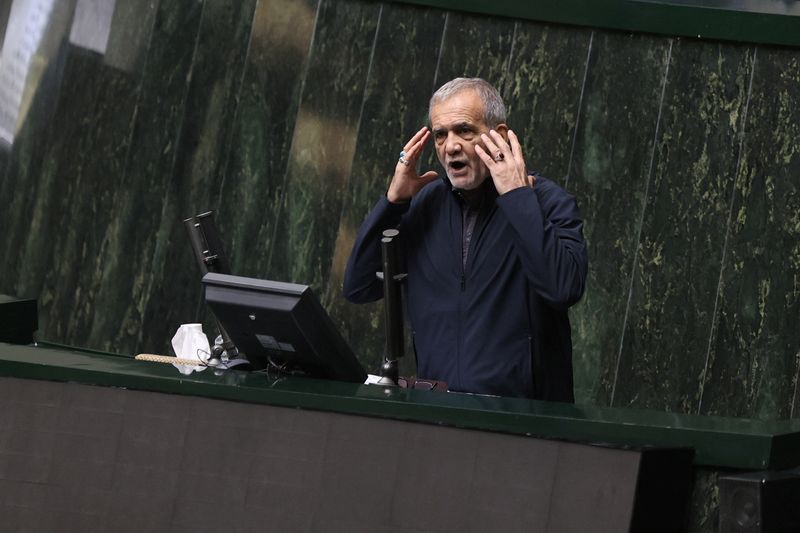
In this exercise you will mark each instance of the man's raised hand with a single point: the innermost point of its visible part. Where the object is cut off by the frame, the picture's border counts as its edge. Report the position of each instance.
(406, 182)
(504, 161)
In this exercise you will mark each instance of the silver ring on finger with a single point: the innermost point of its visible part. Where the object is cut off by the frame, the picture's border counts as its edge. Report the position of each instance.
(499, 157)
(403, 159)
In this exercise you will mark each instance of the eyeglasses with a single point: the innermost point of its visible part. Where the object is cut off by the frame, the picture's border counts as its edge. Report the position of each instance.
(418, 384)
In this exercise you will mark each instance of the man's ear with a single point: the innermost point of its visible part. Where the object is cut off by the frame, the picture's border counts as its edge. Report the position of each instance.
(502, 129)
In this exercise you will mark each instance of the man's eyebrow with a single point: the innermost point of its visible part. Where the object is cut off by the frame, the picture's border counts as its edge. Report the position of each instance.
(464, 125)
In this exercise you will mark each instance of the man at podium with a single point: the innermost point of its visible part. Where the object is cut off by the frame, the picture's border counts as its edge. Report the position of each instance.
(495, 254)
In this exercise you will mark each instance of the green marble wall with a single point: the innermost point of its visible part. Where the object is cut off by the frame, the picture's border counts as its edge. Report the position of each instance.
(286, 116)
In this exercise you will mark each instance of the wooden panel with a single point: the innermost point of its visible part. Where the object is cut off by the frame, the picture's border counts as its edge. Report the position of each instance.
(101, 456)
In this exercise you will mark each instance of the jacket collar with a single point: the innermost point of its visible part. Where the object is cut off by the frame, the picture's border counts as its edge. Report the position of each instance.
(487, 187)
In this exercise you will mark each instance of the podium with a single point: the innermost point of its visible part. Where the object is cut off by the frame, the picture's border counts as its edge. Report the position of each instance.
(101, 441)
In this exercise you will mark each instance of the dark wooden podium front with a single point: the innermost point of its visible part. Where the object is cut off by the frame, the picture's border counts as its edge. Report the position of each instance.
(100, 442)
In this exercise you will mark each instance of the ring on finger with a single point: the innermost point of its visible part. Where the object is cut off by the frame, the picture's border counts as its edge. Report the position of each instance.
(500, 156)
(403, 159)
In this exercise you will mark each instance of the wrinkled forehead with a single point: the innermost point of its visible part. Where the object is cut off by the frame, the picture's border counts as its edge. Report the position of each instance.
(462, 107)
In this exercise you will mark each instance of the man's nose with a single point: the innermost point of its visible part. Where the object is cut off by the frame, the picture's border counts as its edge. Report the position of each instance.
(453, 144)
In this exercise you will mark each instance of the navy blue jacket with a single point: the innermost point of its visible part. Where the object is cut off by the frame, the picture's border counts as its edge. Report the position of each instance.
(499, 325)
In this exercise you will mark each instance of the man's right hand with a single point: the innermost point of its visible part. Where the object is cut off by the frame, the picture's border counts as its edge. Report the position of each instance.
(406, 182)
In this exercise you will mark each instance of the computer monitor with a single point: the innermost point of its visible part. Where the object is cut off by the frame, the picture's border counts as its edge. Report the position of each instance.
(279, 323)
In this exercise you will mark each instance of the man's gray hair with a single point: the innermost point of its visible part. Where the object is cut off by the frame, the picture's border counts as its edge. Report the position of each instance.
(494, 110)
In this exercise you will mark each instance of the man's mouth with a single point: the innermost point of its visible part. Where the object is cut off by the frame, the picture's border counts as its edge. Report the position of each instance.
(457, 165)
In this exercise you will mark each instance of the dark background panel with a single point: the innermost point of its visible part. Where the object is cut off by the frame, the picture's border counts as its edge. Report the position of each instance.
(139, 249)
(324, 141)
(58, 169)
(201, 152)
(611, 168)
(211, 104)
(753, 365)
(749, 21)
(89, 168)
(252, 187)
(543, 89)
(5, 152)
(679, 253)
(475, 46)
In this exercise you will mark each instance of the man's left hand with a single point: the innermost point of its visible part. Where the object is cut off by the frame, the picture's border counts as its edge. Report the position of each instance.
(504, 161)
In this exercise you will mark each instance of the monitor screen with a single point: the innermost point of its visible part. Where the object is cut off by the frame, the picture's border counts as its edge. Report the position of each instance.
(282, 324)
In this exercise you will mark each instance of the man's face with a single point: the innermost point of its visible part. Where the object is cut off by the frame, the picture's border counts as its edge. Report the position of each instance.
(457, 124)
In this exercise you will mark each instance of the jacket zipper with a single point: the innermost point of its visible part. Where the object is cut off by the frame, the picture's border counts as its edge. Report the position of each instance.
(462, 261)
(481, 223)
(459, 323)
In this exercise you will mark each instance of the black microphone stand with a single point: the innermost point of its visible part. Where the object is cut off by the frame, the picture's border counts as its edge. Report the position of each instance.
(210, 254)
(393, 307)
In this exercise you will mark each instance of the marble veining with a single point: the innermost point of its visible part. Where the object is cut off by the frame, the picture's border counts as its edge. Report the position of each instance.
(611, 171)
(680, 247)
(323, 142)
(138, 247)
(753, 362)
(252, 187)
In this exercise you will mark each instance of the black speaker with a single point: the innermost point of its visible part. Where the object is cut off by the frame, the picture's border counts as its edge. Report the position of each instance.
(18, 320)
(663, 488)
(760, 502)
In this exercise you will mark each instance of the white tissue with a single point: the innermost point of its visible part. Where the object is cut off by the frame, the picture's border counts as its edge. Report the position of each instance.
(190, 342)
